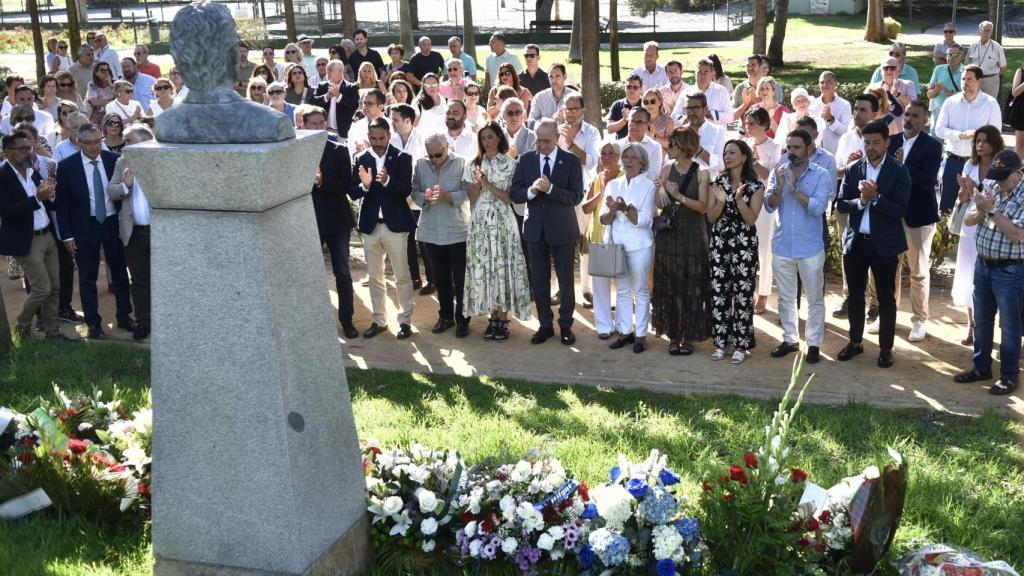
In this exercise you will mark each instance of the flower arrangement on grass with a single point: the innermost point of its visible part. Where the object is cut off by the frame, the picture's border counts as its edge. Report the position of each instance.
(636, 523)
(524, 517)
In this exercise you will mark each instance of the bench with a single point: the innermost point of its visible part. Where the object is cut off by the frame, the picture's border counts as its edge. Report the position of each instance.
(550, 25)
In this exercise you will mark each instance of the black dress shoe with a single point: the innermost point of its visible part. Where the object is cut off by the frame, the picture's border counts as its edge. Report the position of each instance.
(622, 341)
(374, 329)
(96, 333)
(639, 346)
(462, 329)
(428, 289)
(541, 335)
(568, 338)
(849, 351)
(841, 311)
(1004, 386)
(126, 324)
(813, 355)
(140, 333)
(70, 316)
(885, 359)
(972, 375)
(350, 331)
(442, 325)
(404, 331)
(785, 349)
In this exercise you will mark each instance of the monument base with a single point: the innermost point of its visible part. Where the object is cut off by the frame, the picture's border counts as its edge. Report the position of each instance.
(349, 555)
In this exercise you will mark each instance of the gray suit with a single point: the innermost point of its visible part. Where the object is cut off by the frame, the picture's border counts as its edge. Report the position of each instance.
(136, 240)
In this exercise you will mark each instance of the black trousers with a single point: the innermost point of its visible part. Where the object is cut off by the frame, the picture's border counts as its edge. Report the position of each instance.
(338, 246)
(862, 258)
(413, 255)
(526, 252)
(136, 254)
(102, 235)
(541, 255)
(66, 263)
(449, 263)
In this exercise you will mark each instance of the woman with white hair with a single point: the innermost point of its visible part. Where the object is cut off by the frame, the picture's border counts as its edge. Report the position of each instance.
(802, 102)
(627, 213)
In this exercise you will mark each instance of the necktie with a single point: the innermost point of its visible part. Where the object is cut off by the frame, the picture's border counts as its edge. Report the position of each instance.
(99, 195)
(547, 167)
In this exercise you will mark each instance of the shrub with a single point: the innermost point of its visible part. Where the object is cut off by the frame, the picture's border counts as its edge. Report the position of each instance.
(892, 27)
(610, 92)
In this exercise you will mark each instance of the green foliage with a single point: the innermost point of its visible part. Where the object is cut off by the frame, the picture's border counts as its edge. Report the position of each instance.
(892, 28)
(610, 92)
(943, 244)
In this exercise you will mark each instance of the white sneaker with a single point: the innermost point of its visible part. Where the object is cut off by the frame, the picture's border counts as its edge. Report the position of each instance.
(873, 327)
(917, 332)
(738, 357)
(718, 355)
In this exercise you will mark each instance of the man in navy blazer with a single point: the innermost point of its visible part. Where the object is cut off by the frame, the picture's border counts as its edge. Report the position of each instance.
(334, 219)
(550, 181)
(88, 221)
(382, 177)
(338, 97)
(921, 154)
(27, 233)
(875, 192)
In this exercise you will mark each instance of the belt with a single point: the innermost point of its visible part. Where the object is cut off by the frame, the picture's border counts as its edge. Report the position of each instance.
(140, 225)
(951, 155)
(990, 75)
(864, 236)
(1001, 263)
(41, 232)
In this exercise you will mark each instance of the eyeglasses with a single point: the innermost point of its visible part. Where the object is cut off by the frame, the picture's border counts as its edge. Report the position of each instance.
(258, 89)
(632, 87)
(60, 47)
(291, 51)
(888, 67)
(370, 103)
(161, 88)
(896, 53)
(505, 73)
(453, 69)
(115, 125)
(474, 93)
(66, 84)
(436, 156)
(650, 101)
(949, 31)
(274, 92)
(529, 55)
(321, 64)
(513, 112)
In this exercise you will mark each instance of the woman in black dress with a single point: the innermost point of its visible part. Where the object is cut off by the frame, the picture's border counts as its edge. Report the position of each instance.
(1017, 109)
(682, 282)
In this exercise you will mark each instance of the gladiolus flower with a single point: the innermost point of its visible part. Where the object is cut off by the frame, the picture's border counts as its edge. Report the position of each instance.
(812, 525)
(77, 446)
(750, 459)
(798, 475)
(737, 474)
(584, 491)
(825, 516)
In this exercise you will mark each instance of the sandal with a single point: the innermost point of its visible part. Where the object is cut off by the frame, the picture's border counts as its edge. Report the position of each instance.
(738, 357)
(501, 331)
(972, 375)
(489, 332)
(685, 349)
(719, 354)
(673, 348)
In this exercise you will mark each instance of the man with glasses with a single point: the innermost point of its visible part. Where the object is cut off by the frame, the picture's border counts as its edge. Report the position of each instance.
(142, 82)
(147, 67)
(833, 109)
(81, 70)
(904, 71)
(639, 119)
(521, 140)
(945, 81)
(712, 136)
(27, 233)
(106, 53)
(454, 86)
(548, 102)
(533, 78)
(582, 139)
(900, 92)
(86, 215)
(652, 74)
(373, 108)
(616, 122)
(321, 71)
(939, 53)
(989, 55)
(245, 68)
(468, 64)
(424, 62)
(363, 53)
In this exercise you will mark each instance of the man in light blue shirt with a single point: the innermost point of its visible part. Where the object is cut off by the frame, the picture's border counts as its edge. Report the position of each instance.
(800, 191)
(907, 72)
(468, 64)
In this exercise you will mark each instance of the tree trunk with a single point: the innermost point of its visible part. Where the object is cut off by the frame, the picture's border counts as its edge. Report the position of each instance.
(875, 29)
(575, 41)
(590, 48)
(405, 26)
(289, 19)
(993, 10)
(37, 38)
(544, 13)
(778, 33)
(469, 36)
(74, 29)
(613, 37)
(760, 26)
(349, 23)
(414, 12)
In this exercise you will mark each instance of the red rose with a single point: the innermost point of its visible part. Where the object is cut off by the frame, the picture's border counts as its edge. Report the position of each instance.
(708, 487)
(551, 516)
(796, 526)
(825, 516)
(812, 525)
(487, 526)
(798, 475)
(466, 517)
(737, 474)
(584, 492)
(144, 491)
(726, 495)
(26, 457)
(750, 459)
(77, 446)
(803, 542)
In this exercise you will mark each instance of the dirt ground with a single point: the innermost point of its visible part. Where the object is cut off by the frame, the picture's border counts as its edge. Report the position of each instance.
(921, 377)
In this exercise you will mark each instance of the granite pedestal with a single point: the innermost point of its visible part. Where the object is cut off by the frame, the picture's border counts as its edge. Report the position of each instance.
(256, 463)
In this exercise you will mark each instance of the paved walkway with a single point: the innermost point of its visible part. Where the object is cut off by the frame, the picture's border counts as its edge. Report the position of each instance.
(922, 376)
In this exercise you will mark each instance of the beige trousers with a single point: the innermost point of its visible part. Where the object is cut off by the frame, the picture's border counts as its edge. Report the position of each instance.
(42, 271)
(918, 256)
(376, 245)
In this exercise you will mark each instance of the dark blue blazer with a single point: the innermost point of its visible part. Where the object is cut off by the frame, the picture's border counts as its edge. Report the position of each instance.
(343, 110)
(330, 198)
(16, 208)
(551, 217)
(72, 196)
(923, 166)
(887, 210)
(390, 199)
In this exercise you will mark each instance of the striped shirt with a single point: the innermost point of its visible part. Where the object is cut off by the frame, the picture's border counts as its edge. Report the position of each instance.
(991, 242)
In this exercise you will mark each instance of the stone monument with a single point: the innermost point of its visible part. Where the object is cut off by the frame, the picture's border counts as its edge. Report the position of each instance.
(256, 464)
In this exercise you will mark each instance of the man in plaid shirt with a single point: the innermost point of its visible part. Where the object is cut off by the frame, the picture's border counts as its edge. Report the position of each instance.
(998, 274)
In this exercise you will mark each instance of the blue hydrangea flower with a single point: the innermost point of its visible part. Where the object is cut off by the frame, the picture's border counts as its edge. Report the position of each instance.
(689, 529)
(659, 507)
(614, 554)
(668, 477)
(614, 474)
(589, 511)
(666, 567)
(637, 487)
(586, 556)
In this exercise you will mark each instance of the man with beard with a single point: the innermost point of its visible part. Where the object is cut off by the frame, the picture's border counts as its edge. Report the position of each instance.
(461, 140)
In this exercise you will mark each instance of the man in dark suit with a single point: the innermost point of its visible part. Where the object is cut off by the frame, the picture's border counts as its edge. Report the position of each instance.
(27, 233)
(875, 192)
(88, 221)
(334, 214)
(338, 97)
(382, 177)
(921, 154)
(550, 181)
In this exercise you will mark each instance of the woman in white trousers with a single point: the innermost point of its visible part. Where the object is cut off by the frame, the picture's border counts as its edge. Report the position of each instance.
(601, 287)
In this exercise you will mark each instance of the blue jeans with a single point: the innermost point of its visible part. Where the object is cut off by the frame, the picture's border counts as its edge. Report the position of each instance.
(997, 290)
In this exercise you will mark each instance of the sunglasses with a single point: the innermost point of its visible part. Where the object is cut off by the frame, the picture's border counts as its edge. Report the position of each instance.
(66, 84)
(888, 67)
(115, 125)
(505, 73)
(513, 112)
(949, 31)
(895, 53)
(472, 93)
(453, 69)
(436, 156)
(291, 51)
(694, 107)
(62, 47)
(649, 101)
(953, 55)
(528, 55)
(321, 65)
(274, 92)
(161, 88)
(128, 91)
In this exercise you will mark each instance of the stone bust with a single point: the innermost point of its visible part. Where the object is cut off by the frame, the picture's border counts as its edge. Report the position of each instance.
(204, 46)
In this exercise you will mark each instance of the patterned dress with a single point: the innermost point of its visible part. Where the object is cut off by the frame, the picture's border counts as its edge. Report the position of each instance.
(733, 271)
(495, 267)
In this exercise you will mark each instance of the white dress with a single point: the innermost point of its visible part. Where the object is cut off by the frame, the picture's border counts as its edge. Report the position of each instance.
(768, 152)
(125, 111)
(966, 252)
(432, 121)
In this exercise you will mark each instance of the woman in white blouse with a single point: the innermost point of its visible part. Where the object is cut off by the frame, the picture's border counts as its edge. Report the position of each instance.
(627, 214)
(767, 153)
(164, 91)
(129, 110)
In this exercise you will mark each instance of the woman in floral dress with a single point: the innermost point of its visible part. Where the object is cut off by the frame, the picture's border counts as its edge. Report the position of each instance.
(736, 200)
(496, 281)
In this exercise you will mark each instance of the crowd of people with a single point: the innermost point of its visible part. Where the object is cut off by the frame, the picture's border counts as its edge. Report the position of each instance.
(492, 177)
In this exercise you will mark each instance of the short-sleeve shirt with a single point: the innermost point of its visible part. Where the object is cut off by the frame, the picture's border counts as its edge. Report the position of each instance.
(535, 84)
(991, 242)
(619, 110)
(420, 65)
(989, 56)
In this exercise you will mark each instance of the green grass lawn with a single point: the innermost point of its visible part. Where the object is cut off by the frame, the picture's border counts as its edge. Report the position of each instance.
(966, 474)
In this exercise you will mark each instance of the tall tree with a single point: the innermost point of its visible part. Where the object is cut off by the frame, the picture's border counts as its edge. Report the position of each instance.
(613, 37)
(544, 9)
(469, 37)
(37, 38)
(874, 30)
(349, 24)
(74, 29)
(575, 42)
(760, 26)
(591, 52)
(414, 12)
(405, 25)
(289, 19)
(778, 32)
(993, 10)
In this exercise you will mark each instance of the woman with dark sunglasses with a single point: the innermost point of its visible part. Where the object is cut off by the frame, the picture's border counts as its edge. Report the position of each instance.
(299, 90)
(113, 133)
(507, 76)
(164, 91)
(101, 91)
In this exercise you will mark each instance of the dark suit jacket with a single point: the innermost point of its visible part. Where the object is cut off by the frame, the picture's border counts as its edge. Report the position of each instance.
(887, 209)
(72, 196)
(390, 199)
(330, 198)
(923, 165)
(343, 110)
(551, 217)
(16, 208)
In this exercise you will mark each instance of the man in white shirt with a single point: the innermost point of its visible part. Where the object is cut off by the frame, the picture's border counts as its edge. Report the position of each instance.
(650, 72)
(712, 136)
(499, 56)
(407, 138)
(638, 121)
(143, 83)
(26, 97)
(833, 109)
(674, 89)
(461, 139)
(106, 53)
(961, 114)
(373, 108)
(719, 107)
(520, 141)
(548, 102)
(581, 139)
(989, 55)
(11, 83)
